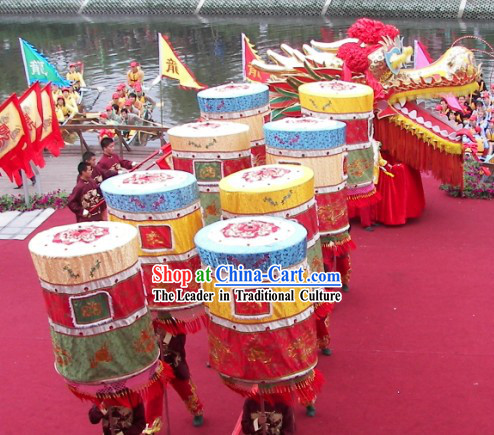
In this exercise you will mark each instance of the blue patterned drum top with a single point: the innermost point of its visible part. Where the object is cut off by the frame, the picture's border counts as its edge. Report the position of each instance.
(256, 242)
(150, 191)
(305, 134)
(233, 97)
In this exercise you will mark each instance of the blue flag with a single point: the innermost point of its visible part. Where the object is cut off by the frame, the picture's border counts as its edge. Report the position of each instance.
(37, 67)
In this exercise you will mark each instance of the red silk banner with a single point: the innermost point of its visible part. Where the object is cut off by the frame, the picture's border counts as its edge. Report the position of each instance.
(125, 301)
(51, 137)
(33, 112)
(15, 141)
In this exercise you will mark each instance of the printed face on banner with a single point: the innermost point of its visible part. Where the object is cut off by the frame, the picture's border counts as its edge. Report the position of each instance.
(10, 129)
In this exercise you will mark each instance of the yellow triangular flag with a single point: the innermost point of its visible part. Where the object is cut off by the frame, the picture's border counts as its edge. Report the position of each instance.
(173, 68)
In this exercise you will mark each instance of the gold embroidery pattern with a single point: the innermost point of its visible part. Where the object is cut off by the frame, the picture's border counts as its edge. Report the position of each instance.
(302, 348)
(332, 213)
(257, 354)
(218, 351)
(207, 172)
(193, 404)
(155, 239)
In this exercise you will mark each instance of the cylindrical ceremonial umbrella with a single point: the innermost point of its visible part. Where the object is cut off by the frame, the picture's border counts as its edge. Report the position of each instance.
(163, 206)
(245, 103)
(270, 344)
(101, 329)
(210, 151)
(353, 104)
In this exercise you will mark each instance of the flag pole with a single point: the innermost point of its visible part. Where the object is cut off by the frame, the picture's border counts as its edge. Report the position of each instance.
(161, 78)
(161, 101)
(243, 56)
(27, 198)
(24, 60)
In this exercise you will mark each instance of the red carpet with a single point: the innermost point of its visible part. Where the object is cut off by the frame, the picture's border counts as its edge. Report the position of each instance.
(413, 341)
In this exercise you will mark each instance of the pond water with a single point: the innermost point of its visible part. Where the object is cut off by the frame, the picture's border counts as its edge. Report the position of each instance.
(210, 47)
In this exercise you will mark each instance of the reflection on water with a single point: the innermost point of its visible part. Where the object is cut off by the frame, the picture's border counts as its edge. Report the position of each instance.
(211, 48)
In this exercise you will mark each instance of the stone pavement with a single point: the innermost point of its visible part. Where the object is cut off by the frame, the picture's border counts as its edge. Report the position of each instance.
(61, 172)
(16, 225)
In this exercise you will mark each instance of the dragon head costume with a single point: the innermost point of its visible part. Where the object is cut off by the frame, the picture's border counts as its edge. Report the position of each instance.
(374, 54)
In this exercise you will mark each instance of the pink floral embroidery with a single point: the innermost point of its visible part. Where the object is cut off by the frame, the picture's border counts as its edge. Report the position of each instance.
(337, 86)
(137, 202)
(85, 235)
(201, 125)
(265, 174)
(249, 230)
(305, 120)
(158, 202)
(147, 178)
(232, 87)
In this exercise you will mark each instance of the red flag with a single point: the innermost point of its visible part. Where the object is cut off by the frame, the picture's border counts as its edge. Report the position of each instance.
(248, 55)
(31, 106)
(14, 138)
(165, 161)
(51, 137)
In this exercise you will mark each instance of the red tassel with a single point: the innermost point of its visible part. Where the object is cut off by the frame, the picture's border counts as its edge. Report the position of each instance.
(337, 249)
(362, 200)
(163, 375)
(305, 390)
(411, 150)
(176, 327)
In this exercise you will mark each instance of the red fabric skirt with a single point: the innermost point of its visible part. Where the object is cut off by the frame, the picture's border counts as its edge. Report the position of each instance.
(402, 196)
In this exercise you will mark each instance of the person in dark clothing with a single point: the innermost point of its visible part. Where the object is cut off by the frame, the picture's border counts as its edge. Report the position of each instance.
(173, 348)
(278, 417)
(127, 415)
(98, 174)
(111, 161)
(85, 196)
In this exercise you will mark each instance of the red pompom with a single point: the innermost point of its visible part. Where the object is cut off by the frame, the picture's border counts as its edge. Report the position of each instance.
(354, 56)
(371, 31)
